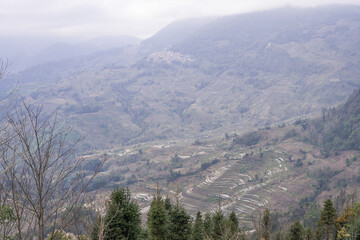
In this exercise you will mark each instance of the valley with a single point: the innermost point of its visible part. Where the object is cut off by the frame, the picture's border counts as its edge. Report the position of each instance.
(276, 173)
(230, 74)
(239, 113)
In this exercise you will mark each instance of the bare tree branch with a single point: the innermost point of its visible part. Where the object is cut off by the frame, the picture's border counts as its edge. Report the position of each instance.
(47, 180)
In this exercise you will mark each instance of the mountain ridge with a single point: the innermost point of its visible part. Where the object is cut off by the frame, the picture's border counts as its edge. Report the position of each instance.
(234, 80)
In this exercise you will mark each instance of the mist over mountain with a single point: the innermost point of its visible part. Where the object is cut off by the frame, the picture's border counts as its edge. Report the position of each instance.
(202, 77)
(236, 114)
(173, 33)
(24, 52)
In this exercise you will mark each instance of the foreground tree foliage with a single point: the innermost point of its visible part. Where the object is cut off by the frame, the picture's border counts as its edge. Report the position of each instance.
(327, 220)
(175, 223)
(122, 220)
(296, 231)
(266, 225)
(41, 178)
(180, 223)
(158, 219)
(198, 227)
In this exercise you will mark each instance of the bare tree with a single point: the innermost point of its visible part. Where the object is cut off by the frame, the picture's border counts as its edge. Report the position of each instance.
(3, 67)
(45, 182)
(7, 218)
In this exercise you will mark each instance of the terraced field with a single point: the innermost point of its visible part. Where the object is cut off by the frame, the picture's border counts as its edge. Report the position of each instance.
(236, 188)
(246, 179)
(243, 180)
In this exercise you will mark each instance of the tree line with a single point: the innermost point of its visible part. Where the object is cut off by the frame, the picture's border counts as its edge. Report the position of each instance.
(337, 128)
(167, 220)
(42, 181)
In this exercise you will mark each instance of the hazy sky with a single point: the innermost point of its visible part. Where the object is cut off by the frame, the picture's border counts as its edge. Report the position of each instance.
(141, 18)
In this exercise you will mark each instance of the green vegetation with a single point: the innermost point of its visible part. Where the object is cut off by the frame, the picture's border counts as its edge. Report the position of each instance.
(122, 220)
(179, 224)
(327, 221)
(296, 231)
(268, 80)
(198, 231)
(158, 219)
(338, 128)
(173, 222)
(248, 139)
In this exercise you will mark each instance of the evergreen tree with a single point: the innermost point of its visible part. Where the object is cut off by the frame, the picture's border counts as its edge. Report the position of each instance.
(279, 236)
(157, 221)
(208, 225)
(219, 224)
(266, 225)
(167, 204)
(198, 228)
(312, 215)
(232, 229)
(143, 234)
(354, 228)
(296, 231)
(180, 223)
(234, 223)
(327, 219)
(122, 219)
(308, 235)
(318, 232)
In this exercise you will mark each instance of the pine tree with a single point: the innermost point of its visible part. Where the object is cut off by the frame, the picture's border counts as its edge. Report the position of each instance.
(198, 228)
(308, 235)
(279, 236)
(234, 223)
(208, 225)
(219, 224)
(318, 232)
(296, 231)
(167, 204)
(266, 225)
(157, 221)
(232, 228)
(122, 219)
(180, 224)
(327, 219)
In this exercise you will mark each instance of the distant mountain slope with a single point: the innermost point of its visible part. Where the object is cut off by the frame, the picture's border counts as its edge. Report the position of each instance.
(227, 75)
(62, 51)
(25, 52)
(174, 33)
(269, 168)
(264, 47)
(338, 128)
(226, 39)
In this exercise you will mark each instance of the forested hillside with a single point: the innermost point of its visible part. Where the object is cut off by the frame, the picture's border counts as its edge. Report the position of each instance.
(338, 128)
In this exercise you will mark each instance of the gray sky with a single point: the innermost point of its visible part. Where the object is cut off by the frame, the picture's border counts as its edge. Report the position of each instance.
(141, 18)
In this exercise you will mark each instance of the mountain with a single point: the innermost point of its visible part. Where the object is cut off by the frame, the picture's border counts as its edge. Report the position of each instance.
(109, 42)
(338, 128)
(62, 51)
(274, 168)
(228, 74)
(173, 33)
(23, 52)
(175, 114)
